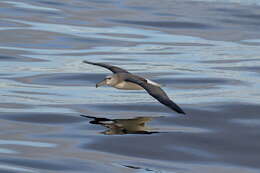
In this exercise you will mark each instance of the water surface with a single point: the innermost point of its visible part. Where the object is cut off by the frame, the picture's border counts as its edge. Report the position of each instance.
(205, 53)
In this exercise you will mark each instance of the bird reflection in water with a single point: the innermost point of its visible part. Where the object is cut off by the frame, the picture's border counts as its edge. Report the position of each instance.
(123, 126)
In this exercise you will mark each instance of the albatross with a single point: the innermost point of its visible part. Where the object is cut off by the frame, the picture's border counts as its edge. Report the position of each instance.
(122, 79)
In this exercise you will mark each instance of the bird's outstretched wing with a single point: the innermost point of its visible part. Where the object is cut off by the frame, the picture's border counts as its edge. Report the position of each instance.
(114, 69)
(156, 92)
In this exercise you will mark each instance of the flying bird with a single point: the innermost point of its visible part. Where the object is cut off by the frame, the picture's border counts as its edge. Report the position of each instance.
(122, 79)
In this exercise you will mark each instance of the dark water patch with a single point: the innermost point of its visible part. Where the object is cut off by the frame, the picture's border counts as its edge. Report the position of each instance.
(42, 118)
(82, 108)
(98, 42)
(8, 171)
(66, 135)
(140, 107)
(122, 53)
(34, 39)
(60, 165)
(221, 145)
(190, 44)
(228, 61)
(167, 14)
(240, 12)
(228, 10)
(19, 59)
(125, 35)
(37, 93)
(204, 82)
(37, 11)
(154, 146)
(14, 53)
(52, 3)
(213, 136)
(15, 106)
(61, 79)
(211, 116)
(152, 52)
(3, 74)
(241, 22)
(255, 69)
(241, 109)
(99, 53)
(167, 24)
(249, 16)
(140, 8)
(5, 23)
(250, 43)
(240, 17)
(54, 39)
(101, 1)
(119, 59)
(251, 123)
(19, 13)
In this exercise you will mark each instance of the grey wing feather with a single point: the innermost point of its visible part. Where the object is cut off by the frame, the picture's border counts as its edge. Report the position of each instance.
(114, 69)
(157, 93)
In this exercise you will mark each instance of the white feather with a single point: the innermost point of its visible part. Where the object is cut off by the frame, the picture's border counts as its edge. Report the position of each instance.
(128, 86)
(153, 83)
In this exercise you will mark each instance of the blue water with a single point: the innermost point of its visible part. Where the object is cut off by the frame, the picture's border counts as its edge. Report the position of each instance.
(204, 53)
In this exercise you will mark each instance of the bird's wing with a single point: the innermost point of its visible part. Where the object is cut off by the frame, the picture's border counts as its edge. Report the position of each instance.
(114, 69)
(156, 92)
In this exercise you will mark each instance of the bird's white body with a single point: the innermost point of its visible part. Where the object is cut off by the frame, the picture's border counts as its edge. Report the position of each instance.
(127, 86)
(131, 86)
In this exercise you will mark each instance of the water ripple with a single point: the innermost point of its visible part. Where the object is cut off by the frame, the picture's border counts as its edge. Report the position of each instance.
(27, 143)
(205, 54)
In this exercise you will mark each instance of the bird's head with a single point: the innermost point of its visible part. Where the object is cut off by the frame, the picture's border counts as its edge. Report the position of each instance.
(109, 80)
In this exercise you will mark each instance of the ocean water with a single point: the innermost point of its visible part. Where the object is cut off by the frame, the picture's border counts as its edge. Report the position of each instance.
(206, 54)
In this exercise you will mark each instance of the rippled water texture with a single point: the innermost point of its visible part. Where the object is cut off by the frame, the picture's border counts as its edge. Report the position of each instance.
(206, 54)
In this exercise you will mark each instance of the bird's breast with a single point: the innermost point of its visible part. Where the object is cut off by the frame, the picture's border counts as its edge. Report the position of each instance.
(128, 86)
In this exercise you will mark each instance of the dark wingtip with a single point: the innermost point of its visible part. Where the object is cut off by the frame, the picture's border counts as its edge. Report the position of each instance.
(87, 62)
(176, 108)
(179, 110)
(86, 116)
(182, 113)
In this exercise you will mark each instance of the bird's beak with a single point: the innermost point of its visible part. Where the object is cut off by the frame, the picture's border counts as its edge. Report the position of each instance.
(103, 82)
